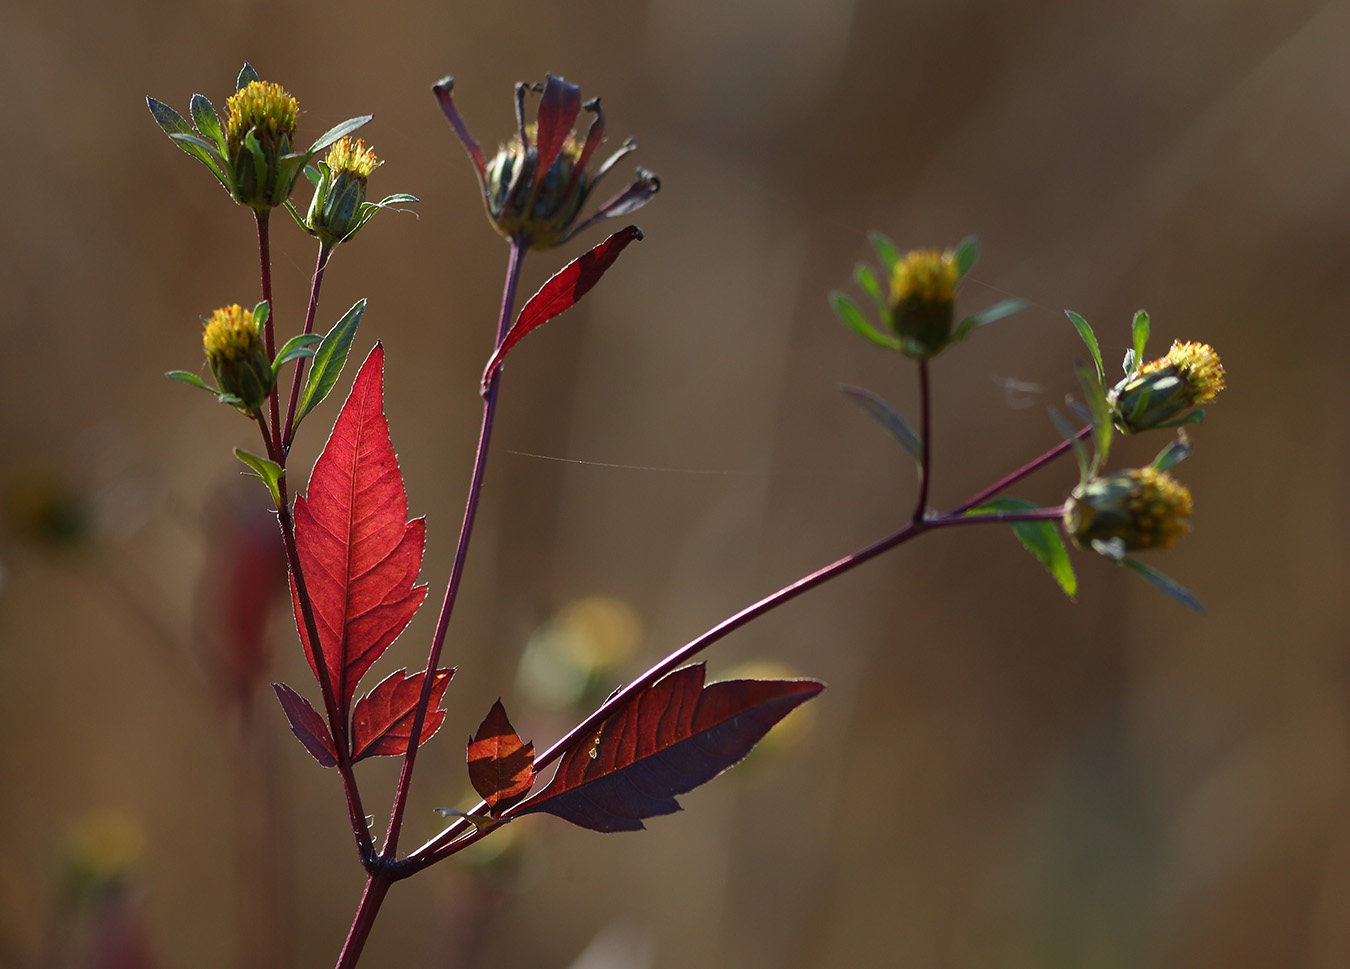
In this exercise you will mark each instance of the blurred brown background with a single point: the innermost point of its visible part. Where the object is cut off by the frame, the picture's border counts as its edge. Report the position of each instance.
(997, 777)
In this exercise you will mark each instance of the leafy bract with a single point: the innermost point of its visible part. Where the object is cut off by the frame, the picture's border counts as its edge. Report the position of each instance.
(382, 720)
(562, 291)
(359, 553)
(1090, 338)
(501, 765)
(855, 320)
(668, 739)
(1041, 538)
(268, 472)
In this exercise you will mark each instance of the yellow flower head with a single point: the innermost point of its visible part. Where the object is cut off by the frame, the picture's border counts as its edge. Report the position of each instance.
(231, 334)
(263, 107)
(237, 355)
(1144, 508)
(925, 275)
(1198, 366)
(352, 157)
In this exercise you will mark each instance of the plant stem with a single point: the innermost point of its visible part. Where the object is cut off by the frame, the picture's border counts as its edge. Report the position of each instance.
(337, 718)
(377, 886)
(518, 249)
(925, 441)
(321, 263)
(265, 271)
(1009, 480)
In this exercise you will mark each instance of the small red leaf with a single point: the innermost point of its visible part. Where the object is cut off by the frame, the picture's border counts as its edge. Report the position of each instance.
(359, 552)
(382, 719)
(558, 110)
(501, 766)
(307, 725)
(563, 291)
(667, 740)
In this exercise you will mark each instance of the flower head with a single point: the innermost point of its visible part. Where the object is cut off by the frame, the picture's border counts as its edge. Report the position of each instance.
(536, 184)
(263, 109)
(238, 358)
(339, 208)
(923, 300)
(1161, 392)
(1142, 508)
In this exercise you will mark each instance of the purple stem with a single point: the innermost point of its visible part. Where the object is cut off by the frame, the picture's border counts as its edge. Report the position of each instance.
(926, 439)
(377, 886)
(518, 249)
(319, 266)
(1009, 480)
(265, 270)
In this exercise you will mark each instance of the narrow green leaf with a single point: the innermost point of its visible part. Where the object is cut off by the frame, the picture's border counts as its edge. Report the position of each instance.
(853, 318)
(261, 312)
(1041, 538)
(967, 251)
(1095, 398)
(247, 75)
(994, 313)
(1160, 581)
(886, 415)
(886, 251)
(268, 472)
(336, 132)
(167, 118)
(398, 198)
(191, 379)
(1080, 454)
(204, 153)
(295, 348)
(329, 360)
(295, 214)
(207, 121)
(867, 280)
(313, 174)
(1172, 455)
(1140, 330)
(1090, 338)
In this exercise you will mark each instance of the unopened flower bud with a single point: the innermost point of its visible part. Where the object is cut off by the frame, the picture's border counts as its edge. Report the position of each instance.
(259, 131)
(1143, 508)
(335, 210)
(1162, 391)
(923, 301)
(544, 212)
(238, 357)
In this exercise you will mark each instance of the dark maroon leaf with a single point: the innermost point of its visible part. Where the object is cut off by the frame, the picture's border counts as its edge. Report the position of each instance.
(667, 740)
(501, 765)
(307, 725)
(558, 109)
(563, 291)
(382, 719)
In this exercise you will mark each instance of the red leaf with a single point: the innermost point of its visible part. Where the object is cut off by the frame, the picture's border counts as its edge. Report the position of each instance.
(307, 725)
(563, 291)
(501, 765)
(382, 719)
(667, 740)
(359, 552)
(558, 110)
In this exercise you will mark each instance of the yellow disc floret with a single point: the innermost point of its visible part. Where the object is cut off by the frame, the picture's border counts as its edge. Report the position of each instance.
(352, 157)
(260, 106)
(926, 275)
(1198, 366)
(230, 333)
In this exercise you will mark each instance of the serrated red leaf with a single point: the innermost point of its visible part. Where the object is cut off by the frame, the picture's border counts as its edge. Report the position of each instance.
(382, 719)
(501, 765)
(667, 740)
(563, 291)
(359, 552)
(307, 725)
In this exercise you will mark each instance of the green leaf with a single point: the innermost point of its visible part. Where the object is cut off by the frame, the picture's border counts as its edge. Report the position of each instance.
(247, 75)
(1095, 398)
(204, 153)
(867, 280)
(191, 379)
(313, 174)
(853, 318)
(167, 118)
(329, 360)
(886, 251)
(261, 312)
(888, 418)
(1194, 417)
(1080, 454)
(207, 121)
(268, 472)
(295, 348)
(1090, 338)
(334, 133)
(1140, 330)
(295, 214)
(967, 251)
(1041, 538)
(1163, 582)
(996, 312)
(1172, 455)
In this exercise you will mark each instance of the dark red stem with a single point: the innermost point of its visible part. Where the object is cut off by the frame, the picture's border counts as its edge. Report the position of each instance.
(518, 249)
(1009, 480)
(265, 271)
(925, 440)
(319, 266)
(377, 886)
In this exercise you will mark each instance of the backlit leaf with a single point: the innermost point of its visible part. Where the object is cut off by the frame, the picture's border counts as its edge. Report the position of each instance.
(886, 415)
(329, 360)
(563, 291)
(359, 552)
(382, 719)
(1090, 338)
(501, 765)
(855, 320)
(667, 740)
(1041, 538)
